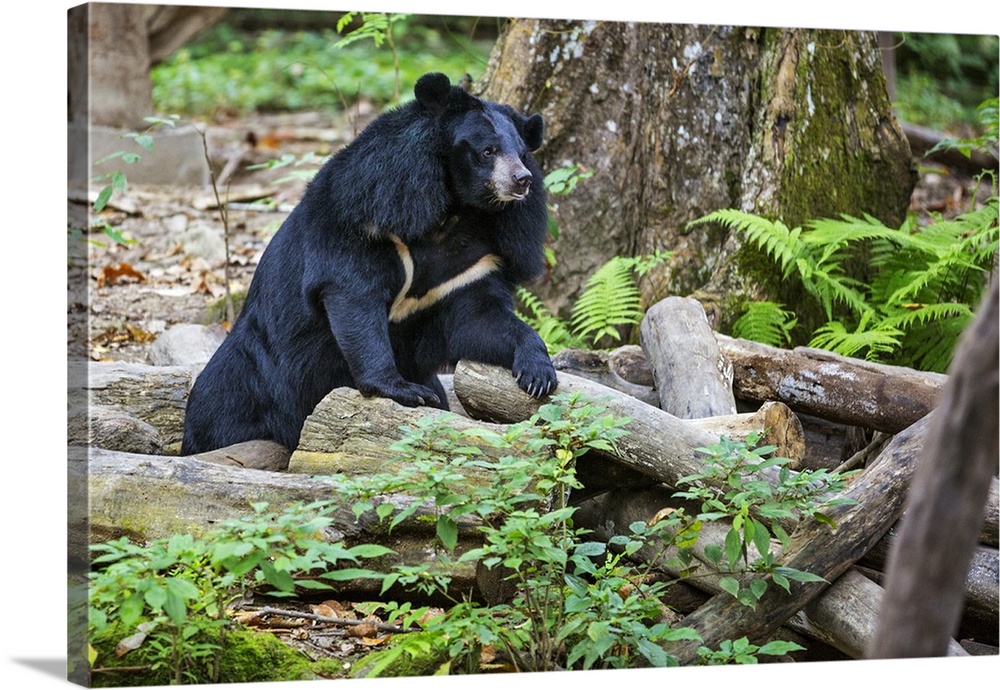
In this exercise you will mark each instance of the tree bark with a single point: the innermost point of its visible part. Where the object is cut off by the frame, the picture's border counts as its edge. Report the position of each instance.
(677, 121)
(945, 509)
(121, 93)
(171, 26)
(840, 389)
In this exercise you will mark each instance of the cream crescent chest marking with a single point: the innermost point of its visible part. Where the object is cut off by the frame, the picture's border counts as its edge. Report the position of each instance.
(405, 306)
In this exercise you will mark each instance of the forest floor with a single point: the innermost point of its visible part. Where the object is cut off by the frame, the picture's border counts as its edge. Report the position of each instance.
(172, 270)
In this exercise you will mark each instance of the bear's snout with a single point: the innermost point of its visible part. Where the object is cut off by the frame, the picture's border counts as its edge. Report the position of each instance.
(511, 181)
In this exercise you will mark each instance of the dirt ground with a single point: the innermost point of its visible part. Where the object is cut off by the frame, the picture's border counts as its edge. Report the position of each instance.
(173, 270)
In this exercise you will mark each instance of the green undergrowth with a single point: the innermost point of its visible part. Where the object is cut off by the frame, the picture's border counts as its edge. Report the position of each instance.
(239, 72)
(161, 612)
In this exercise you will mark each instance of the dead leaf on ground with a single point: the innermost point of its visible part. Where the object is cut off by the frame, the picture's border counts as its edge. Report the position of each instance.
(123, 272)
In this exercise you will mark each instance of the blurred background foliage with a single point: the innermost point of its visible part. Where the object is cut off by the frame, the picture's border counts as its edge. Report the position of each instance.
(269, 60)
(942, 78)
(282, 60)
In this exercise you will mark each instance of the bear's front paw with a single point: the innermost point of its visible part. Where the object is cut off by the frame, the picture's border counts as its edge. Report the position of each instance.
(535, 375)
(405, 393)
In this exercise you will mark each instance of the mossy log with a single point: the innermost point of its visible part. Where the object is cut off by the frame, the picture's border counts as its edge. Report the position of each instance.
(146, 497)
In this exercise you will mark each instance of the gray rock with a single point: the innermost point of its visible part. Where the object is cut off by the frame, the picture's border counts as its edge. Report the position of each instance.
(187, 344)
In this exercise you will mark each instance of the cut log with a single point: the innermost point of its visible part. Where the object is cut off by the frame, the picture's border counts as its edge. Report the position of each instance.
(146, 497)
(878, 494)
(350, 434)
(154, 395)
(945, 510)
(774, 423)
(841, 389)
(693, 378)
(598, 366)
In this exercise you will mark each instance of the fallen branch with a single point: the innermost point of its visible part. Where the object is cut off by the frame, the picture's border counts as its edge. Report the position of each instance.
(658, 444)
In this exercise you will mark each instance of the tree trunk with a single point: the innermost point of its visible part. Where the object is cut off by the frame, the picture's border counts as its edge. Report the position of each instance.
(944, 512)
(171, 26)
(677, 121)
(120, 90)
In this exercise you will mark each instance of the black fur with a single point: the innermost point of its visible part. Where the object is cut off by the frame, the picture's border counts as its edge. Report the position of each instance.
(316, 316)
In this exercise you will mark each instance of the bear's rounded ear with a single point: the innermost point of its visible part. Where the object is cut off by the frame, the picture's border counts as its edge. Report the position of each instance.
(534, 131)
(432, 90)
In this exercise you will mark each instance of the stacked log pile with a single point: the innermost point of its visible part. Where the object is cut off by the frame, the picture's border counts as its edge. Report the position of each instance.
(683, 388)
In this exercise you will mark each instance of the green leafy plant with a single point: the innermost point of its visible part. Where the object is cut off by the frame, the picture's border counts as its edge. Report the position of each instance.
(742, 651)
(733, 486)
(575, 604)
(165, 601)
(116, 181)
(376, 27)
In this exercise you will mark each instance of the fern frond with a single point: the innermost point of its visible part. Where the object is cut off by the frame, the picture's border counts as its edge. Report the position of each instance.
(912, 315)
(773, 237)
(610, 299)
(827, 237)
(831, 288)
(930, 346)
(873, 343)
(765, 322)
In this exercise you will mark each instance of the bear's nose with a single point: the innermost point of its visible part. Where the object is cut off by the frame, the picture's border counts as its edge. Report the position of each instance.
(522, 180)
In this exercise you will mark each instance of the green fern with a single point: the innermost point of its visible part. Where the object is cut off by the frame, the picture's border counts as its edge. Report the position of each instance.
(862, 342)
(926, 281)
(610, 299)
(609, 302)
(553, 330)
(765, 322)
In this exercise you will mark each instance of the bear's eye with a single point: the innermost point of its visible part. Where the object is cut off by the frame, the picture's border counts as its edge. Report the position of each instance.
(489, 151)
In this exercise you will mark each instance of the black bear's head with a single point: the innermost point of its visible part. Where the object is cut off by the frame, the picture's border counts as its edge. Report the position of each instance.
(488, 145)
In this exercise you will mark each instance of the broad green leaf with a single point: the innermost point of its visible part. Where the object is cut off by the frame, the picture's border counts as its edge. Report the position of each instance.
(730, 584)
(447, 532)
(102, 198)
(779, 648)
